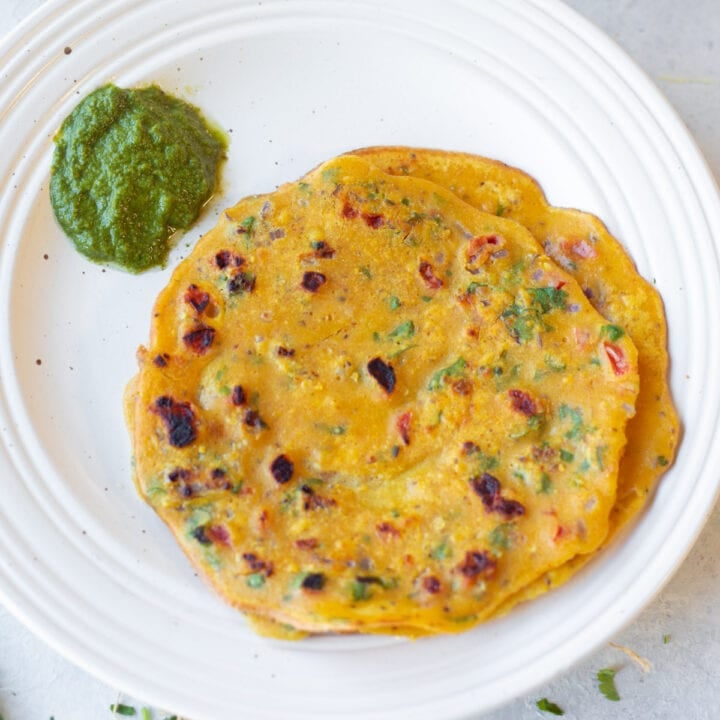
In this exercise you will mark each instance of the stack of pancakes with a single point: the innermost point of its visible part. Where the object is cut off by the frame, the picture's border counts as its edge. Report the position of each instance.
(400, 395)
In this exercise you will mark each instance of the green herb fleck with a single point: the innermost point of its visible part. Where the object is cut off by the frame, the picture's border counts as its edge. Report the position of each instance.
(500, 209)
(545, 484)
(145, 713)
(303, 186)
(249, 226)
(548, 298)
(405, 330)
(360, 591)
(600, 455)
(441, 552)
(662, 461)
(554, 364)
(613, 332)
(394, 302)
(473, 286)
(120, 709)
(330, 174)
(549, 707)
(454, 370)
(666, 639)
(501, 536)
(225, 390)
(566, 456)
(405, 201)
(606, 683)
(332, 429)
(365, 270)
(577, 429)
(256, 580)
(584, 466)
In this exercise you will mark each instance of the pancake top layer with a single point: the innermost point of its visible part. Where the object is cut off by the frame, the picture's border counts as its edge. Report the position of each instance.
(367, 405)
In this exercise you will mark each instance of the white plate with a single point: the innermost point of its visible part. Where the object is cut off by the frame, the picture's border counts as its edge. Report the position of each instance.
(91, 569)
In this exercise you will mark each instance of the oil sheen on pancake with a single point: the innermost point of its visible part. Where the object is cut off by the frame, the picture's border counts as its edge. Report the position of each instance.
(581, 244)
(367, 406)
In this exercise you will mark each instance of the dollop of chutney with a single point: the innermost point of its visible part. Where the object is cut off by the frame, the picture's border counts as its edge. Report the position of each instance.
(130, 167)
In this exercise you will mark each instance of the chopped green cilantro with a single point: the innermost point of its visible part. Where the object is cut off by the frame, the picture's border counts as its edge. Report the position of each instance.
(426, 298)
(501, 536)
(454, 370)
(405, 330)
(613, 332)
(120, 709)
(600, 451)
(365, 270)
(548, 298)
(145, 713)
(549, 707)
(666, 639)
(500, 209)
(606, 683)
(545, 484)
(332, 429)
(360, 591)
(405, 201)
(256, 580)
(577, 429)
(394, 302)
(330, 174)
(662, 461)
(441, 552)
(473, 286)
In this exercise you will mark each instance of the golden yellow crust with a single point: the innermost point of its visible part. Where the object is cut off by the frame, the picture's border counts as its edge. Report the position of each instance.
(367, 406)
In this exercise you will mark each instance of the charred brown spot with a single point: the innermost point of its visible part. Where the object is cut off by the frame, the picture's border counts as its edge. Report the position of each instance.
(312, 281)
(180, 474)
(323, 250)
(476, 564)
(201, 536)
(282, 469)
(317, 502)
(222, 259)
(179, 420)
(462, 387)
(469, 447)
(368, 579)
(543, 453)
(373, 221)
(522, 402)
(431, 584)
(349, 212)
(252, 419)
(314, 581)
(387, 529)
(403, 426)
(196, 297)
(161, 360)
(256, 564)
(217, 473)
(238, 395)
(307, 543)
(242, 282)
(199, 339)
(428, 275)
(488, 488)
(285, 352)
(383, 374)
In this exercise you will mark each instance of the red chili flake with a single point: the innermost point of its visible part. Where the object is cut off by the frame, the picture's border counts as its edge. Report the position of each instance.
(478, 244)
(522, 402)
(383, 373)
(285, 352)
(314, 582)
(238, 395)
(403, 426)
(161, 360)
(312, 281)
(349, 212)
(200, 339)
(560, 285)
(428, 275)
(242, 282)
(617, 358)
(386, 528)
(196, 297)
(218, 534)
(477, 563)
(179, 420)
(560, 532)
(282, 469)
(373, 221)
(431, 584)
(307, 543)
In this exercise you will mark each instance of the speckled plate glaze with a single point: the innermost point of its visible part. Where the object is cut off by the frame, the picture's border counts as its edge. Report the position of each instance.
(83, 561)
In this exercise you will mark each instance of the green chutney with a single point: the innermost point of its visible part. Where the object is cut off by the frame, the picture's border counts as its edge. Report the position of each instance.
(132, 166)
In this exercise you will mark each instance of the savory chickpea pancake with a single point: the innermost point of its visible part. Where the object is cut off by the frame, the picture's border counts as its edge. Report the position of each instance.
(367, 406)
(580, 243)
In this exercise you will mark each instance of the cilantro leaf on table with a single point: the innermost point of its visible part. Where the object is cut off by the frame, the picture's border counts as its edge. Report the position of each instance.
(606, 683)
(549, 707)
